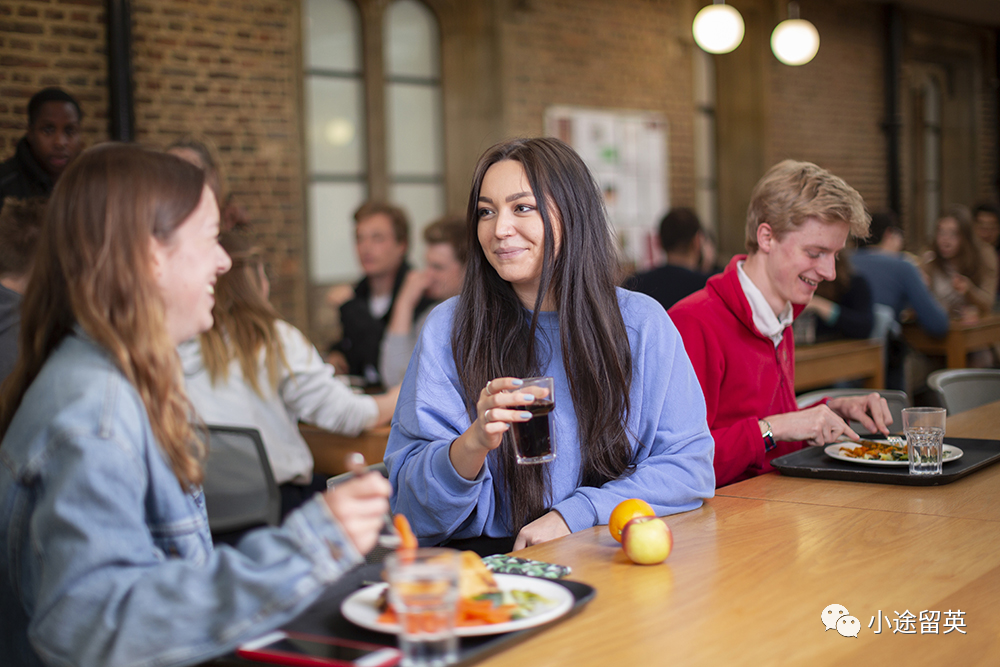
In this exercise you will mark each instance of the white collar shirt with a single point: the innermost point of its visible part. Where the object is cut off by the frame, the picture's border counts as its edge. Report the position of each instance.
(769, 324)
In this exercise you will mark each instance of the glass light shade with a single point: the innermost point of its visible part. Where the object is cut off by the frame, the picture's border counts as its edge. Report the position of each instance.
(795, 41)
(718, 28)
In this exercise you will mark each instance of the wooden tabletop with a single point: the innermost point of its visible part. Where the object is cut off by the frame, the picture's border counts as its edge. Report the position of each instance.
(822, 364)
(753, 569)
(962, 338)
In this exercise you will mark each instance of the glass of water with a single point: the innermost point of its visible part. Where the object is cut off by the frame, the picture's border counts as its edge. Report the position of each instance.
(924, 429)
(423, 589)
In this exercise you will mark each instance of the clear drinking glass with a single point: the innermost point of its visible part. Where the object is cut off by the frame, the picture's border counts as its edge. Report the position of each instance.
(534, 440)
(924, 429)
(423, 589)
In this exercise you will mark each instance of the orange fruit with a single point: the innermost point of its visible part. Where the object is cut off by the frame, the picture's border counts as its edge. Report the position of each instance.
(625, 512)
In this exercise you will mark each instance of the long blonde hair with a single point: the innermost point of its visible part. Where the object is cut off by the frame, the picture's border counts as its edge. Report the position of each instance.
(93, 268)
(244, 320)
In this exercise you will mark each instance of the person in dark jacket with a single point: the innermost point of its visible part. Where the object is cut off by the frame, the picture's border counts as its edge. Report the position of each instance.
(682, 239)
(52, 141)
(382, 236)
(843, 306)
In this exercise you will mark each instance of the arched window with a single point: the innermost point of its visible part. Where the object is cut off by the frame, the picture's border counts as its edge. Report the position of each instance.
(415, 137)
(336, 152)
(349, 156)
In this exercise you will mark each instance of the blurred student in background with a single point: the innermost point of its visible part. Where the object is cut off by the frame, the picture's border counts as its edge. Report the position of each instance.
(843, 306)
(382, 237)
(441, 278)
(203, 155)
(51, 143)
(987, 226)
(20, 225)
(683, 241)
(961, 270)
(254, 369)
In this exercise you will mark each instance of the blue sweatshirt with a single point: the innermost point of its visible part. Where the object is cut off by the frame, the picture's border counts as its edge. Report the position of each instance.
(897, 284)
(673, 463)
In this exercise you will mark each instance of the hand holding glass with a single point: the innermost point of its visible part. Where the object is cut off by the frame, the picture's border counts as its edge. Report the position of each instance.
(534, 440)
(924, 429)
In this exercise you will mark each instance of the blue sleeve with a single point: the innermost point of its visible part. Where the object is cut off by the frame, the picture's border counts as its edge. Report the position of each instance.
(430, 414)
(673, 456)
(930, 315)
(107, 594)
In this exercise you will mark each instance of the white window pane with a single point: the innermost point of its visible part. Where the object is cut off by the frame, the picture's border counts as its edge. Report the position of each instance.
(411, 40)
(414, 129)
(424, 203)
(331, 231)
(330, 30)
(335, 126)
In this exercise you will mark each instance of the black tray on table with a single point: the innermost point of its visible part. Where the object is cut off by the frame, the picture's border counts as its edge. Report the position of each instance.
(813, 462)
(324, 618)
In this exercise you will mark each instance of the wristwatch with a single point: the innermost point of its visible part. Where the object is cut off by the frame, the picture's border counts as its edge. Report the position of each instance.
(765, 427)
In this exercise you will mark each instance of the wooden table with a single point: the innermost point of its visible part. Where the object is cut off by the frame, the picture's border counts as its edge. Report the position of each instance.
(329, 449)
(961, 339)
(822, 364)
(753, 569)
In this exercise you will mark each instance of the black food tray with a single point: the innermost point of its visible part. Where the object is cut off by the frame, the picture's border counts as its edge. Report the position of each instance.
(324, 618)
(813, 462)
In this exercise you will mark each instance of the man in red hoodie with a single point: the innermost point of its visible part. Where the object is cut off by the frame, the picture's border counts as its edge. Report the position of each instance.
(737, 331)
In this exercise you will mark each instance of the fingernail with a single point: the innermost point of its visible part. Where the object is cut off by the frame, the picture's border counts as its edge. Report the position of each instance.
(526, 415)
(517, 383)
(527, 398)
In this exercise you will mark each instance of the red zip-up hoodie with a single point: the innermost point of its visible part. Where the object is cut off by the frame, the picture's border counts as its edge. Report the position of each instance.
(744, 377)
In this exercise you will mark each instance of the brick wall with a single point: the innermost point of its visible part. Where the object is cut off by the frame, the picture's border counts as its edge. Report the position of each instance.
(829, 111)
(228, 72)
(629, 54)
(46, 43)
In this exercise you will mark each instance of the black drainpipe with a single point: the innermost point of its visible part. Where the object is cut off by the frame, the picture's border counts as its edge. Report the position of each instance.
(121, 112)
(893, 123)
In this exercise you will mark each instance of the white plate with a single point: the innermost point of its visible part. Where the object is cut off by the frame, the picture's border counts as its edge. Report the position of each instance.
(360, 606)
(951, 453)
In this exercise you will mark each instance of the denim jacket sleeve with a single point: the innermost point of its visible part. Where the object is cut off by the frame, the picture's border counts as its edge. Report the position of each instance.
(103, 584)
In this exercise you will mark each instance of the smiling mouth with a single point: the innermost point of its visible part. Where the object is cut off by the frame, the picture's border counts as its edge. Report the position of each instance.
(811, 283)
(508, 253)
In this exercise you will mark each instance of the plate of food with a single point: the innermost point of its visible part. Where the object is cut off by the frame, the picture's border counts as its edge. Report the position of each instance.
(881, 453)
(489, 603)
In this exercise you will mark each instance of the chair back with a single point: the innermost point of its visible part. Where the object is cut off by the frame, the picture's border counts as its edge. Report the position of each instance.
(962, 389)
(896, 399)
(240, 491)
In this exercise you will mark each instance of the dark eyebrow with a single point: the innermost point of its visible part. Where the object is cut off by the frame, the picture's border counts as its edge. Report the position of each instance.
(485, 199)
(517, 196)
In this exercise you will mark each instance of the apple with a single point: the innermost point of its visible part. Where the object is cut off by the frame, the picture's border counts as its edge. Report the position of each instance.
(647, 540)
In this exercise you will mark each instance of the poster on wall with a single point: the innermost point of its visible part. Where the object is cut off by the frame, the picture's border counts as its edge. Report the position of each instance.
(627, 153)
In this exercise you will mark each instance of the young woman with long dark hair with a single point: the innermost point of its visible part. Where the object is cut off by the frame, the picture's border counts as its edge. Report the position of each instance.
(540, 298)
(105, 553)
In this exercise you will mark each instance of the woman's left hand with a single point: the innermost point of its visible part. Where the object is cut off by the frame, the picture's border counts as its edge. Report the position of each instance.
(545, 528)
(871, 410)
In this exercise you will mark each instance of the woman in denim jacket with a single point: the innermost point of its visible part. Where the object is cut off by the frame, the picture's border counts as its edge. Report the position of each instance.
(105, 553)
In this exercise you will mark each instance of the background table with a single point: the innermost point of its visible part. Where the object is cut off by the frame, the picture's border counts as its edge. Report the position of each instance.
(330, 449)
(961, 339)
(753, 569)
(822, 364)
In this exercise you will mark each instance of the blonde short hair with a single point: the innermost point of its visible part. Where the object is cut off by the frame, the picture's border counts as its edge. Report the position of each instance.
(791, 192)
